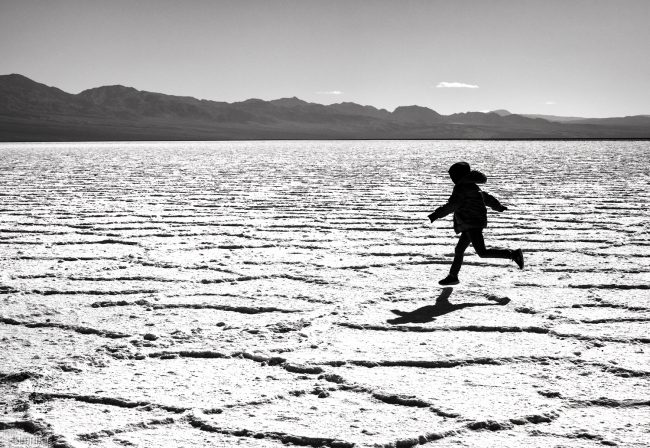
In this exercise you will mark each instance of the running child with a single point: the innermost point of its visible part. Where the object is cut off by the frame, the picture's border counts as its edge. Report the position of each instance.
(468, 202)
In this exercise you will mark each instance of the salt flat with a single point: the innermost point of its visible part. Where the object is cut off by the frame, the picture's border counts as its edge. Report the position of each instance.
(242, 293)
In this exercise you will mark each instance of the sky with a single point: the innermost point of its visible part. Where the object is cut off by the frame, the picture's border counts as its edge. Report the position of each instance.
(587, 58)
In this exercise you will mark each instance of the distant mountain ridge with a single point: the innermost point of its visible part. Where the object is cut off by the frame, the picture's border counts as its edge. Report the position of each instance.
(30, 111)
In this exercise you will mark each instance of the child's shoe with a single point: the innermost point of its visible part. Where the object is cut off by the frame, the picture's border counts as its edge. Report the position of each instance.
(449, 280)
(518, 257)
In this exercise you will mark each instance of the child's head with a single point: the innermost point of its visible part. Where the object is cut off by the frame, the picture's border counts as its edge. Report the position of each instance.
(459, 170)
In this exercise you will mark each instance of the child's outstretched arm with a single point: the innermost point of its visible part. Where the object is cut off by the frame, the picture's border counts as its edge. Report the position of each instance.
(442, 211)
(493, 202)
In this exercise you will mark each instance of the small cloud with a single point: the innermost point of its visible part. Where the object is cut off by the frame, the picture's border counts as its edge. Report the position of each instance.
(330, 92)
(550, 103)
(455, 85)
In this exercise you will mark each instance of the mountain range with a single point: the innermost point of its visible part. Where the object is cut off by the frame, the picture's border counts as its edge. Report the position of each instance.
(30, 111)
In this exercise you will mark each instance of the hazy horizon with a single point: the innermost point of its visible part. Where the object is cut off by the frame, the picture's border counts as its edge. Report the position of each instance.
(569, 58)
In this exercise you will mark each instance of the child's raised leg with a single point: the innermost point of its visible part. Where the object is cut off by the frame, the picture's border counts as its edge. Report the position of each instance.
(476, 237)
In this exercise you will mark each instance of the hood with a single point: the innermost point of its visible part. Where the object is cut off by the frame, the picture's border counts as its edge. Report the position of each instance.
(474, 177)
(458, 170)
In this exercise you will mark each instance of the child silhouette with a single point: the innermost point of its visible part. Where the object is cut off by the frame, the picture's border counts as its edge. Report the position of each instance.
(468, 202)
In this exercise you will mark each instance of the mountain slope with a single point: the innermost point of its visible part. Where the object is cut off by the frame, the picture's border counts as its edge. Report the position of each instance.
(30, 111)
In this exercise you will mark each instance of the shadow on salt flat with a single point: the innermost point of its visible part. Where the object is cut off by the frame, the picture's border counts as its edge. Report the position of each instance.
(442, 306)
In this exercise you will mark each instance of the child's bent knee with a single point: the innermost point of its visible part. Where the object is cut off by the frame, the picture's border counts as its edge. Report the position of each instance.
(481, 252)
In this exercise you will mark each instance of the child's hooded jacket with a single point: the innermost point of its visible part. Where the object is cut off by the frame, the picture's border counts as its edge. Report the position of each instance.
(467, 201)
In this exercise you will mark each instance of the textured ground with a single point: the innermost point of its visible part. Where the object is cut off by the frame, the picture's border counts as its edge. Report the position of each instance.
(188, 295)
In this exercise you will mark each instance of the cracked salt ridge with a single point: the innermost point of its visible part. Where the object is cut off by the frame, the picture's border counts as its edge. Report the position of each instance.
(510, 329)
(394, 254)
(476, 391)
(34, 276)
(520, 349)
(608, 313)
(598, 336)
(297, 296)
(298, 278)
(195, 419)
(610, 286)
(474, 328)
(38, 232)
(110, 401)
(26, 348)
(240, 246)
(603, 270)
(615, 320)
(124, 278)
(130, 427)
(257, 357)
(185, 435)
(157, 306)
(558, 295)
(587, 286)
(65, 258)
(444, 261)
(607, 426)
(63, 414)
(41, 430)
(8, 289)
(186, 382)
(610, 403)
(107, 241)
(21, 243)
(105, 228)
(608, 305)
(417, 428)
(167, 265)
(446, 363)
(51, 292)
(551, 239)
(297, 424)
(389, 398)
(520, 436)
(18, 377)
(62, 326)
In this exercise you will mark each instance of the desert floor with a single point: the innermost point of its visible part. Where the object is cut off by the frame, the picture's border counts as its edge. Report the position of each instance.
(243, 294)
